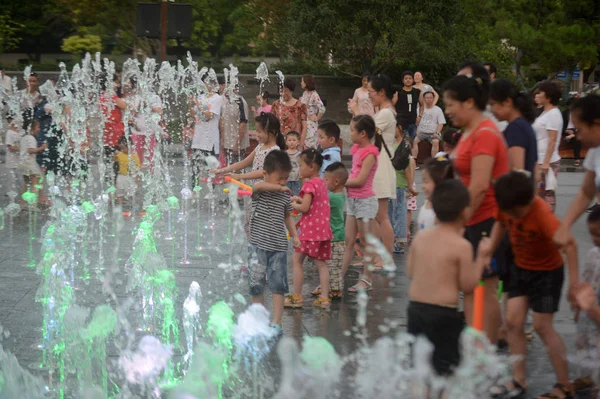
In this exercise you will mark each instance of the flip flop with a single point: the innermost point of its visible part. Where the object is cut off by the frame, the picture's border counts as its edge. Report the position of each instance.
(354, 288)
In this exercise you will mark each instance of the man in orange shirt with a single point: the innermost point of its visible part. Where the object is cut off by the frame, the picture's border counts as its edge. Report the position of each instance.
(536, 278)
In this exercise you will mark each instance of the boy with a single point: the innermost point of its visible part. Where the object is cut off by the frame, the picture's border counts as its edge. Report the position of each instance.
(335, 178)
(536, 277)
(12, 154)
(292, 140)
(329, 135)
(271, 215)
(125, 184)
(28, 164)
(438, 276)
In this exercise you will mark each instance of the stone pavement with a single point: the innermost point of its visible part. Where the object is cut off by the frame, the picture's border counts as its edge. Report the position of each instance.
(22, 316)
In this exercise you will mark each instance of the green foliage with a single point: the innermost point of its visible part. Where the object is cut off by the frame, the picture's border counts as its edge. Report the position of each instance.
(80, 44)
(9, 33)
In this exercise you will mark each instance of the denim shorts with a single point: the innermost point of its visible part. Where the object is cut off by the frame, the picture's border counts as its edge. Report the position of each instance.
(362, 208)
(268, 267)
(295, 186)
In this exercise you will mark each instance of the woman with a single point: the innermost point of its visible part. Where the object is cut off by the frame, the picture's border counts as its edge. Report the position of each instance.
(314, 108)
(547, 128)
(384, 183)
(292, 113)
(424, 87)
(364, 105)
(479, 159)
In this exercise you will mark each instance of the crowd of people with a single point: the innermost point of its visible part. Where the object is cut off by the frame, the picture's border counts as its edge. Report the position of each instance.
(489, 187)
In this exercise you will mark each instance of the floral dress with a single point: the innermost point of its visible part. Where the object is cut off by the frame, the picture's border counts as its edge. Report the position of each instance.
(290, 117)
(315, 109)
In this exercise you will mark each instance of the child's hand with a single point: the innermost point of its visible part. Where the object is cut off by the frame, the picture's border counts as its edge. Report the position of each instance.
(413, 191)
(484, 249)
(285, 189)
(297, 242)
(585, 297)
(295, 199)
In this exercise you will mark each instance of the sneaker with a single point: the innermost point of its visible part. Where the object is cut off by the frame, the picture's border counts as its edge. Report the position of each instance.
(293, 301)
(398, 248)
(322, 303)
(277, 329)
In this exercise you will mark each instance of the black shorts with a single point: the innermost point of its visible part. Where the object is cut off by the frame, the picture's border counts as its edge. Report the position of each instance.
(442, 326)
(503, 255)
(542, 288)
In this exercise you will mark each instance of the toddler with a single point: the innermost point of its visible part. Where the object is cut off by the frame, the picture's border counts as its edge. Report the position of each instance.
(128, 166)
(411, 199)
(292, 141)
(329, 135)
(435, 171)
(28, 164)
(450, 139)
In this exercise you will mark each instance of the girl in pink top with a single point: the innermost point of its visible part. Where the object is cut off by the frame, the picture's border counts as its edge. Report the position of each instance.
(361, 203)
(315, 232)
(263, 102)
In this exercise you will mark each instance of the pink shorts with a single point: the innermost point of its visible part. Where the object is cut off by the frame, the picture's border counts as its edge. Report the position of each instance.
(319, 250)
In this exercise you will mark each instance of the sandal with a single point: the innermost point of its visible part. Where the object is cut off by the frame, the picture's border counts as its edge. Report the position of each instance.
(565, 390)
(317, 291)
(582, 383)
(335, 294)
(503, 391)
(357, 265)
(355, 288)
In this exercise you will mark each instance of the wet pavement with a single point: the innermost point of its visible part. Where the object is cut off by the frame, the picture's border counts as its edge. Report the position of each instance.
(22, 316)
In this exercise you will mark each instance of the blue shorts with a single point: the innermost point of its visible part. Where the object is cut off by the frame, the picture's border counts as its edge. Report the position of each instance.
(295, 186)
(268, 267)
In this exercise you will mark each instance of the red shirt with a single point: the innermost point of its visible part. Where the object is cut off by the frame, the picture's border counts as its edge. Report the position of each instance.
(484, 140)
(113, 127)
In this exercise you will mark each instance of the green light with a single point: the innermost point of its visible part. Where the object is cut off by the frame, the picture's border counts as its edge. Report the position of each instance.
(88, 207)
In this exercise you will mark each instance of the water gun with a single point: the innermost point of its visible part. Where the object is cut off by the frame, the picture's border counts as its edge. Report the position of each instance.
(244, 193)
(478, 306)
(241, 185)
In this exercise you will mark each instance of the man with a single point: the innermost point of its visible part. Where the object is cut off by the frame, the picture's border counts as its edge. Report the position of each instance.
(431, 123)
(233, 126)
(5, 82)
(491, 68)
(406, 100)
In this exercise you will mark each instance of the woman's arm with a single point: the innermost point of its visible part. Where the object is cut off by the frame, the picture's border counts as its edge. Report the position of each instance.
(360, 180)
(516, 158)
(243, 164)
(481, 177)
(436, 96)
(552, 137)
(410, 176)
(257, 174)
(580, 203)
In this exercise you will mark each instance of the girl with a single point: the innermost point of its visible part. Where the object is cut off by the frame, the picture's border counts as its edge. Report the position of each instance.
(450, 139)
(315, 232)
(411, 199)
(263, 102)
(434, 171)
(362, 201)
(29, 166)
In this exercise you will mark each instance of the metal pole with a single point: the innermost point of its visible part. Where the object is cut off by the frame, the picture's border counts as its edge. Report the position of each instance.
(163, 30)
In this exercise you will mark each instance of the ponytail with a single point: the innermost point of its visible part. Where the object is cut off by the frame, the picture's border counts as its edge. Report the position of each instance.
(439, 168)
(367, 123)
(272, 126)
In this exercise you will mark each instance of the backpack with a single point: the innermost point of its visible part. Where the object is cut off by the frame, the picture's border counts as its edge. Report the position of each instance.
(401, 157)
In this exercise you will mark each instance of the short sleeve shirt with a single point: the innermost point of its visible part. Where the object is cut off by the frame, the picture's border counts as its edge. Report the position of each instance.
(519, 133)
(206, 135)
(484, 140)
(314, 224)
(290, 117)
(531, 237)
(406, 106)
(431, 118)
(337, 203)
(12, 139)
(592, 163)
(295, 173)
(358, 158)
(267, 224)
(330, 155)
(548, 120)
(233, 113)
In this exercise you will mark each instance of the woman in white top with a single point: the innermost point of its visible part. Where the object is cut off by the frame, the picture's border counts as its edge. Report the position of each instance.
(547, 128)
(361, 101)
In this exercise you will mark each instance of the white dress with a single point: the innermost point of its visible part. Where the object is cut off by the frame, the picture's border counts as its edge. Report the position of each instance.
(384, 182)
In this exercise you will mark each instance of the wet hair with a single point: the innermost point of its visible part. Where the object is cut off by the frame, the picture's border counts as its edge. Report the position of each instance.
(502, 90)
(412, 75)
(312, 157)
(330, 128)
(293, 133)
(464, 87)
(439, 169)
(265, 96)
(271, 124)
(367, 123)
(277, 161)
(289, 84)
(382, 82)
(451, 137)
(449, 200)
(122, 140)
(339, 170)
(310, 82)
(513, 190)
(552, 91)
(594, 216)
(587, 109)
(492, 67)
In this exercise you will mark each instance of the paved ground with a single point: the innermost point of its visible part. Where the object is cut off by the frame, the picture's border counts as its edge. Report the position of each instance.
(22, 316)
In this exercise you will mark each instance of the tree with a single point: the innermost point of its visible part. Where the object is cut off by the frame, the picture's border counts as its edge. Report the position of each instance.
(81, 44)
(9, 33)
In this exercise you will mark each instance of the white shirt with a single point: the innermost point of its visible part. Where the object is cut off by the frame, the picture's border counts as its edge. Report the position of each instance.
(592, 163)
(548, 120)
(431, 118)
(140, 127)
(7, 84)
(206, 134)
(12, 139)
(426, 218)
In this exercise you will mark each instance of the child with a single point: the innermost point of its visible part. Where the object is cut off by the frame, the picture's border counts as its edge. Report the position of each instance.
(404, 184)
(336, 176)
(435, 171)
(28, 164)
(125, 177)
(292, 140)
(361, 204)
(329, 135)
(271, 216)
(263, 104)
(450, 139)
(411, 199)
(12, 154)
(438, 276)
(315, 233)
(536, 277)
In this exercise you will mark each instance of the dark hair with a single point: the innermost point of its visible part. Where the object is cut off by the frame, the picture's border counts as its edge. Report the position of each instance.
(449, 200)
(277, 161)
(367, 123)
(289, 84)
(462, 88)
(382, 82)
(330, 128)
(491, 66)
(451, 137)
(339, 169)
(34, 74)
(594, 216)
(293, 133)
(551, 90)
(502, 90)
(412, 75)
(271, 124)
(311, 156)
(587, 108)
(514, 189)
(122, 140)
(366, 75)
(310, 82)
(428, 92)
(265, 95)
(439, 169)
(221, 80)
(477, 69)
